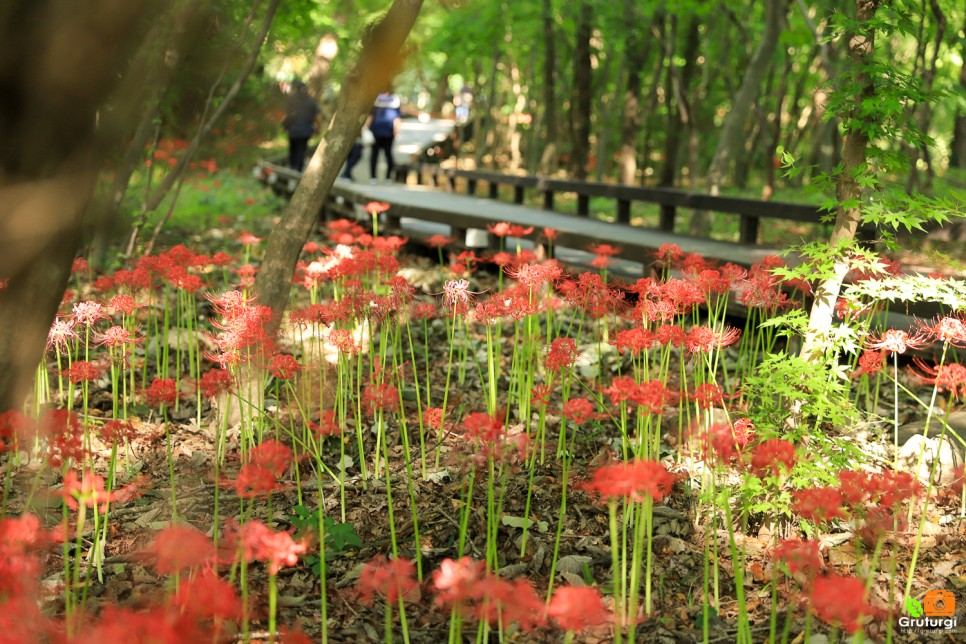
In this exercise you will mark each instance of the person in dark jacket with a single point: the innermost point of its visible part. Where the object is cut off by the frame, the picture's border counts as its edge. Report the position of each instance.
(384, 125)
(301, 122)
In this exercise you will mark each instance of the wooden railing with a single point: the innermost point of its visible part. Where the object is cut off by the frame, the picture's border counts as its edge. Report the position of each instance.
(751, 211)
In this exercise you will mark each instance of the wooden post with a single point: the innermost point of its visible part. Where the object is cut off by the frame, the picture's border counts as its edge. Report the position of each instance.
(583, 205)
(748, 233)
(518, 194)
(668, 214)
(548, 200)
(471, 186)
(494, 190)
(623, 211)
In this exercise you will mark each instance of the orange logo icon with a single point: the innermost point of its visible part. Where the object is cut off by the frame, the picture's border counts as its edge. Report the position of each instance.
(939, 603)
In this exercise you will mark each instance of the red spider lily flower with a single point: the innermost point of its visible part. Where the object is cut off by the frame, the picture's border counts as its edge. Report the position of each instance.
(163, 391)
(514, 602)
(380, 396)
(896, 341)
(580, 410)
(284, 366)
(181, 279)
(272, 455)
(502, 259)
(773, 456)
(61, 334)
(591, 294)
(506, 229)
(870, 363)
(702, 339)
(433, 418)
(221, 258)
(439, 241)
(248, 239)
(88, 313)
(116, 431)
(945, 377)
(277, 549)
(123, 304)
(708, 395)
(64, 437)
(220, 601)
(949, 330)
(635, 480)
(604, 250)
(668, 255)
(550, 233)
(254, 481)
(391, 579)
(88, 490)
(216, 381)
(534, 275)
(730, 441)
(376, 207)
(343, 341)
(327, 425)
(651, 396)
(540, 395)
(710, 282)
(178, 548)
(671, 335)
(891, 489)
(799, 557)
(819, 504)
(13, 425)
(456, 582)
(115, 337)
(635, 340)
(840, 601)
(562, 354)
(84, 371)
(79, 265)
(600, 262)
(575, 608)
(456, 294)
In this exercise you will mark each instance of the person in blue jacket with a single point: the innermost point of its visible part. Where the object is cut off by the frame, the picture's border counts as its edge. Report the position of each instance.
(301, 122)
(384, 125)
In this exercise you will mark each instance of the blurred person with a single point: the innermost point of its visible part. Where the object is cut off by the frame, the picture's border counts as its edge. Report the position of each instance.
(301, 123)
(384, 124)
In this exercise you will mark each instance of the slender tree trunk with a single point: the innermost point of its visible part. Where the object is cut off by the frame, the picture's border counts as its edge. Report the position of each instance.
(548, 159)
(208, 124)
(583, 92)
(957, 155)
(924, 109)
(379, 63)
(658, 31)
(679, 86)
(672, 136)
(636, 55)
(318, 76)
(774, 132)
(848, 190)
(734, 125)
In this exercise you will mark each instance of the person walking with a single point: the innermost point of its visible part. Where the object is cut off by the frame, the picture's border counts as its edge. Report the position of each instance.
(301, 122)
(384, 124)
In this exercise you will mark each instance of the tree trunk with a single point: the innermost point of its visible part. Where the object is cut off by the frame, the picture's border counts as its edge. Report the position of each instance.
(679, 86)
(318, 76)
(848, 190)
(672, 136)
(52, 148)
(548, 159)
(583, 93)
(957, 154)
(208, 124)
(734, 125)
(636, 54)
(379, 63)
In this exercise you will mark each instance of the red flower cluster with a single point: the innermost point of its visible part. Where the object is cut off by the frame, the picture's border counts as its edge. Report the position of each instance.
(635, 480)
(391, 579)
(773, 456)
(467, 587)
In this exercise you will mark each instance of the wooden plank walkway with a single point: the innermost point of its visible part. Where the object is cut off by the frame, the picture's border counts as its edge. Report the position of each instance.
(461, 213)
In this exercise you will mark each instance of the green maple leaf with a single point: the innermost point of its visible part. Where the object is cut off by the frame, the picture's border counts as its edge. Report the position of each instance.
(913, 607)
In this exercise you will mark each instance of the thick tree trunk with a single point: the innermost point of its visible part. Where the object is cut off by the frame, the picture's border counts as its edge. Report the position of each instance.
(848, 190)
(732, 132)
(679, 86)
(378, 64)
(583, 93)
(52, 147)
(318, 76)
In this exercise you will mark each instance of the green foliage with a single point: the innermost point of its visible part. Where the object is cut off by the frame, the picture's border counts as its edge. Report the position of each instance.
(339, 537)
